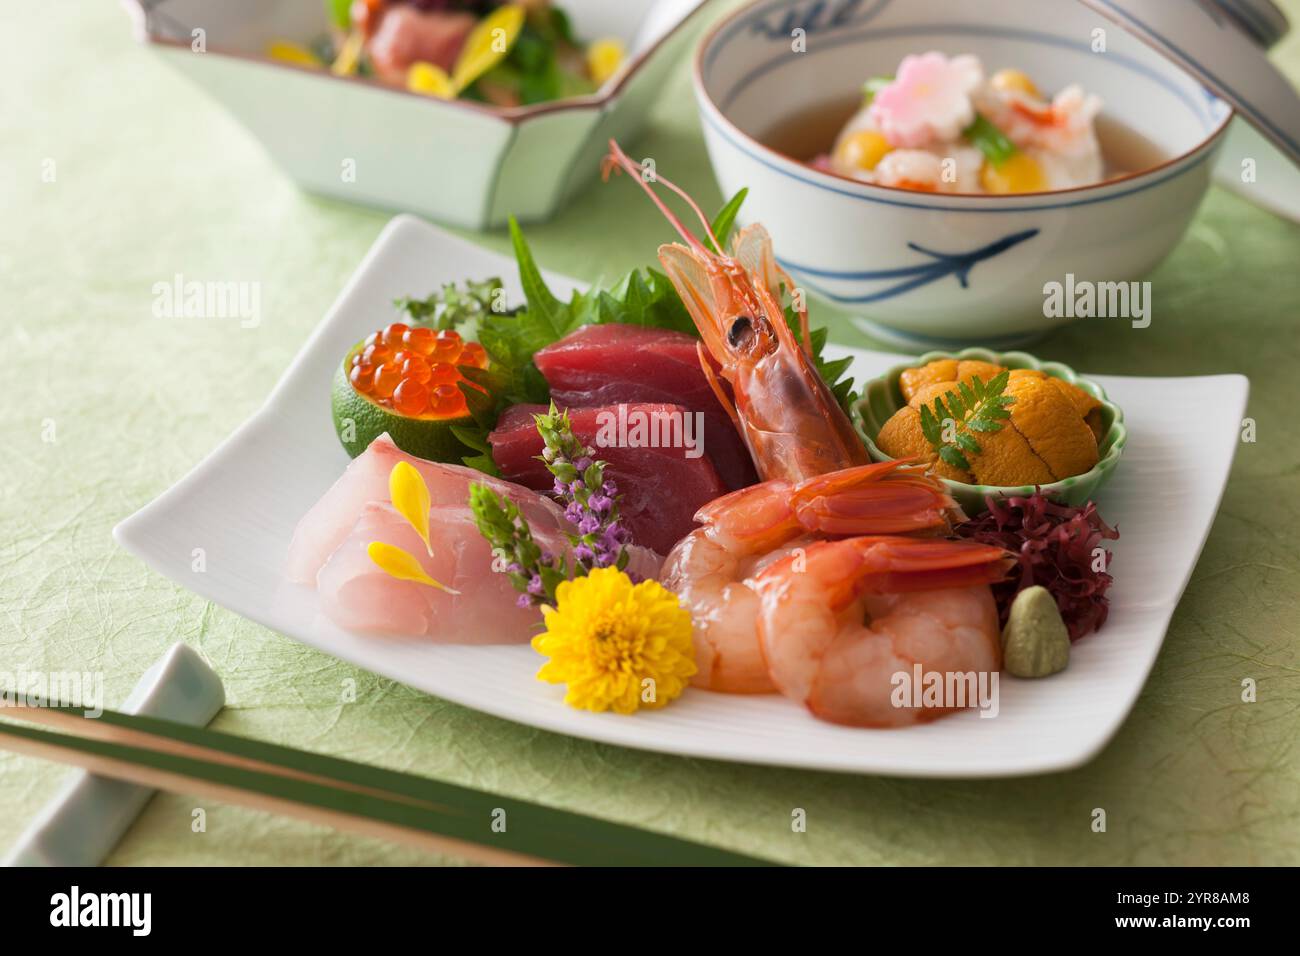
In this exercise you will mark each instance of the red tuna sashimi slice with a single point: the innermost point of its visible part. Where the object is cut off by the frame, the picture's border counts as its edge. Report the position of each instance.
(661, 487)
(330, 520)
(607, 364)
(358, 596)
(406, 35)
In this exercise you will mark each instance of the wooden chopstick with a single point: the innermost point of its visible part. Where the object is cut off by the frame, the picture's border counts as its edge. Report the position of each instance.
(123, 769)
(408, 809)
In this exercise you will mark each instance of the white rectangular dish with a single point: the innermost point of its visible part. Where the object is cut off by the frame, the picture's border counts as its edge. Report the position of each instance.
(240, 505)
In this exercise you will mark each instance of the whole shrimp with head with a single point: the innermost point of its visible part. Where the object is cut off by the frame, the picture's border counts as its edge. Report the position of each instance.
(790, 420)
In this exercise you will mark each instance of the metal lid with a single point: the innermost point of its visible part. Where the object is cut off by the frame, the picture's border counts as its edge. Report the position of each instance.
(1222, 42)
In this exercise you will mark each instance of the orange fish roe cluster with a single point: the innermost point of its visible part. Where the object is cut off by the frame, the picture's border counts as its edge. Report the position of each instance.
(415, 371)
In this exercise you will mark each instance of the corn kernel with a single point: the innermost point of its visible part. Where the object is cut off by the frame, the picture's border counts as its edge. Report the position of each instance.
(604, 57)
(1018, 174)
(1015, 81)
(863, 149)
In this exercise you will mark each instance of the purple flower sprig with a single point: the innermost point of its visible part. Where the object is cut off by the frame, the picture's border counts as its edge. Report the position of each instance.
(590, 499)
(535, 573)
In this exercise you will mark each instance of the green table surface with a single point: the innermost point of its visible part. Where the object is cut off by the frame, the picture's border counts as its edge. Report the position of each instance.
(151, 179)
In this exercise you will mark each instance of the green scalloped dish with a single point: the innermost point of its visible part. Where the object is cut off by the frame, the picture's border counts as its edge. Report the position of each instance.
(881, 397)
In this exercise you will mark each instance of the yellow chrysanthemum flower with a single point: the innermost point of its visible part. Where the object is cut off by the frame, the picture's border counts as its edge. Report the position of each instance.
(616, 645)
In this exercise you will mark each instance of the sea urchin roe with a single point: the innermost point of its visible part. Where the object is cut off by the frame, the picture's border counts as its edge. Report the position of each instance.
(416, 371)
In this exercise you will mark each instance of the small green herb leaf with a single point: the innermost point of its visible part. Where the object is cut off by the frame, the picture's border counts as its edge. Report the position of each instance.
(453, 305)
(953, 457)
(726, 219)
(930, 427)
(541, 301)
(873, 86)
(977, 407)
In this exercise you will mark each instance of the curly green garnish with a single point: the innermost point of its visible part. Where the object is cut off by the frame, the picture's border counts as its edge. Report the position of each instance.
(949, 420)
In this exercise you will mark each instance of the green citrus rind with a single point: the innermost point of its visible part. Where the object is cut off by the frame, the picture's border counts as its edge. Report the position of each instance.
(358, 421)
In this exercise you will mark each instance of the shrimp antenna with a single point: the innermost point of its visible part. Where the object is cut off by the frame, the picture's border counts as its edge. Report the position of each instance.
(617, 159)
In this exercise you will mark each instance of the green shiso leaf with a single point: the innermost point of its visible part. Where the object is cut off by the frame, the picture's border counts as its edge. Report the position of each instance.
(643, 297)
(543, 307)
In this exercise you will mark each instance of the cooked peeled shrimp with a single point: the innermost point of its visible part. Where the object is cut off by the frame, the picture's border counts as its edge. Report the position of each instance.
(747, 530)
(711, 581)
(836, 627)
(1063, 125)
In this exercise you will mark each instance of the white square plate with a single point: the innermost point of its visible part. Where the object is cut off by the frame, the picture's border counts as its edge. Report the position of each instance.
(241, 505)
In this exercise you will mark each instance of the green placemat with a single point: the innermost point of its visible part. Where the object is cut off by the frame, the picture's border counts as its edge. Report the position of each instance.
(105, 406)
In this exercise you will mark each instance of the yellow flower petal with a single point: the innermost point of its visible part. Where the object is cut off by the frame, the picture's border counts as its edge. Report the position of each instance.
(287, 52)
(617, 646)
(430, 80)
(604, 57)
(402, 565)
(488, 44)
(349, 55)
(410, 496)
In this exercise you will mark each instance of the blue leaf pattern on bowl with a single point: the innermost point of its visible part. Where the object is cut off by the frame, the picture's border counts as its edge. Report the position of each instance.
(957, 264)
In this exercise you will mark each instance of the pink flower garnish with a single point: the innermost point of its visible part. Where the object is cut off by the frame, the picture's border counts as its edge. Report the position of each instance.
(929, 101)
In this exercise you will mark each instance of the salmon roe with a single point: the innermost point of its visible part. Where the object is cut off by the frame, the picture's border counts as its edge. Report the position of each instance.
(416, 371)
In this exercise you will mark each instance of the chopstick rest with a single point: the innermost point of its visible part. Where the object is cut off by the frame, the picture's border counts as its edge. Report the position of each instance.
(89, 815)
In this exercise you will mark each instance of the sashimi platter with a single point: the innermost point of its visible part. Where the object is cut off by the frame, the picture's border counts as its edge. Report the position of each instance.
(667, 489)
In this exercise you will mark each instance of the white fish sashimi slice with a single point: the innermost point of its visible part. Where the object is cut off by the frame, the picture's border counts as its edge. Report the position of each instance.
(357, 595)
(328, 523)
(330, 550)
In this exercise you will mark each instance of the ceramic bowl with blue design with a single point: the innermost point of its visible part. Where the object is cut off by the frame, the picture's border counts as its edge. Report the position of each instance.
(939, 269)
